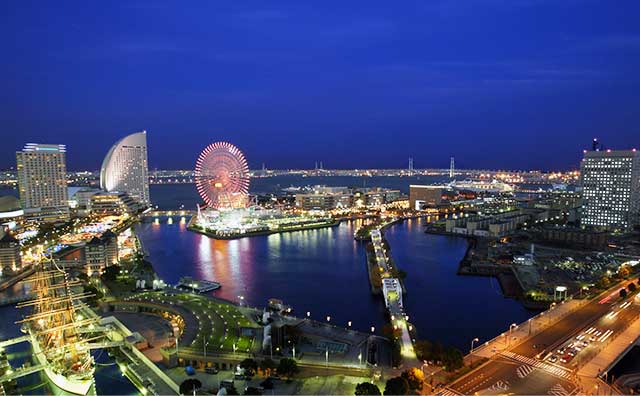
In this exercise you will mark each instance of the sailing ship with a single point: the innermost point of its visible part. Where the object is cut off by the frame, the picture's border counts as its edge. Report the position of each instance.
(55, 330)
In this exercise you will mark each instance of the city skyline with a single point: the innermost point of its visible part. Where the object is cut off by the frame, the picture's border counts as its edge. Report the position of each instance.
(497, 84)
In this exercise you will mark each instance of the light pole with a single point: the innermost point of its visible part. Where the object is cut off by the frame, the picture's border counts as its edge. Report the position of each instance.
(360, 357)
(326, 356)
(471, 350)
(511, 327)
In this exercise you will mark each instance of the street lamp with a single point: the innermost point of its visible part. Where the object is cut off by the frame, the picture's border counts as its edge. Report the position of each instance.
(308, 314)
(471, 350)
(349, 324)
(373, 329)
(511, 327)
(328, 318)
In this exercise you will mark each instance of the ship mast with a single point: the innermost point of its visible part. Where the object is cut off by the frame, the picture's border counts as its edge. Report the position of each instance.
(54, 321)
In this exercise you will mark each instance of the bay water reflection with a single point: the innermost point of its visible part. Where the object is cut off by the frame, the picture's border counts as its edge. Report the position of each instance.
(324, 272)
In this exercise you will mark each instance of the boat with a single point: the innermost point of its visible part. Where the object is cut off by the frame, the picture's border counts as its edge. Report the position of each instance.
(494, 186)
(54, 332)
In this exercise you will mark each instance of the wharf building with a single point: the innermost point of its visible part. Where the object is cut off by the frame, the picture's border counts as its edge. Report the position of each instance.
(10, 260)
(329, 198)
(125, 168)
(114, 204)
(11, 214)
(93, 256)
(611, 189)
(421, 196)
(490, 225)
(42, 181)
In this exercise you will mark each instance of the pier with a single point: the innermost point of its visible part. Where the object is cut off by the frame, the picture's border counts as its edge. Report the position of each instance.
(392, 292)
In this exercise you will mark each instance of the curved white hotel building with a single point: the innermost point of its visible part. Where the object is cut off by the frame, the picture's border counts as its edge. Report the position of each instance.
(125, 168)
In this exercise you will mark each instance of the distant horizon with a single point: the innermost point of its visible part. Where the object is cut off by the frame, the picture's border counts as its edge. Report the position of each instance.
(517, 84)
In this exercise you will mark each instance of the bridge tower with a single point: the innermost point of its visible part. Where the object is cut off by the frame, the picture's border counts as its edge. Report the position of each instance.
(452, 168)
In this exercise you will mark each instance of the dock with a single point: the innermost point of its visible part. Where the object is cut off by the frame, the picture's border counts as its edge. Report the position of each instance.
(196, 285)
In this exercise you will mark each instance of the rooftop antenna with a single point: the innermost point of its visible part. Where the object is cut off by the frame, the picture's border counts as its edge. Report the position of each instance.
(595, 145)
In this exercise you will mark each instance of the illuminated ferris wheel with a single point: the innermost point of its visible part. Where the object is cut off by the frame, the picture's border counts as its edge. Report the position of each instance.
(222, 176)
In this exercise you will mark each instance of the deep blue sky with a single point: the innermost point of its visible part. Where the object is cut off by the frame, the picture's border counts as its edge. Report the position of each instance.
(501, 84)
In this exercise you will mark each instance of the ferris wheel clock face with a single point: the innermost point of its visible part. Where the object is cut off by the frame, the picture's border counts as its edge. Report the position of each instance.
(222, 176)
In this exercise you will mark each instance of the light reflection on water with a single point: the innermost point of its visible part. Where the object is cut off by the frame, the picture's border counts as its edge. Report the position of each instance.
(324, 271)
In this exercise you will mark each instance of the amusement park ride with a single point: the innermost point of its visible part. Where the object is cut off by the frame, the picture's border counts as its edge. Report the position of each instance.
(222, 180)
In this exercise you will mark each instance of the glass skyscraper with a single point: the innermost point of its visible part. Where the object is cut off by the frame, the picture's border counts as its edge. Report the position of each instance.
(125, 168)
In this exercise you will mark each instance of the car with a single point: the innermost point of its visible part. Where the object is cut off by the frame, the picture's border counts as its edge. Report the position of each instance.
(238, 376)
(592, 338)
(561, 350)
(553, 358)
(211, 370)
(571, 352)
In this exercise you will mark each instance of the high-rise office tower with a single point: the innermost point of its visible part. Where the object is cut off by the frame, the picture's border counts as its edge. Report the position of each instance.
(125, 168)
(611, 188)
(42, 180)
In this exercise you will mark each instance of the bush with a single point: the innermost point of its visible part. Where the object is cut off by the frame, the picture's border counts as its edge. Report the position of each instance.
(250, 365)
(396, 386)
(451, 358)
(414, 377)
(288, 367)
(111, 273)
(189, 386)
(366, 389)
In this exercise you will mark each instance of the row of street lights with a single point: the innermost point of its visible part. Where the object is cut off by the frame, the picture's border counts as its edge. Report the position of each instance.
(349, 323)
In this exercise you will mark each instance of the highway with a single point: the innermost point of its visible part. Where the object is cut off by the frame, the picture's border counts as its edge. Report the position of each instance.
(520, 369)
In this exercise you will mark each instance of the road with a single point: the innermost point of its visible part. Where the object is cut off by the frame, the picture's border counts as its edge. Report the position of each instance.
(518, 370)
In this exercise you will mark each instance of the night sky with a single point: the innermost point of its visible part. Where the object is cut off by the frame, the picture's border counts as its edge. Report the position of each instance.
(501, 84)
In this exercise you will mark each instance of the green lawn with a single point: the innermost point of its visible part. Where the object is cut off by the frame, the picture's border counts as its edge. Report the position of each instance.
(219, 322)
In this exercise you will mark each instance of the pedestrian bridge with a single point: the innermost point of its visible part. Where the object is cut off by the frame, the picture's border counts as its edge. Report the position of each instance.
(392, 292)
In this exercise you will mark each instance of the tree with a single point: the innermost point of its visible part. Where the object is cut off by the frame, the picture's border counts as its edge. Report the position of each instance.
(396, 386)
(189, 386)
(624, 272)
(267, 365)
(95, 293)
(623, 293)
(604, 282)
(632, 287)
(452, 359)
(424, 350)
(111, 273)
(414, 377)
(249, 365)
(287, 367)
(367, 389)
